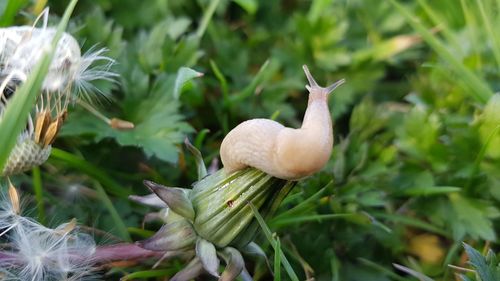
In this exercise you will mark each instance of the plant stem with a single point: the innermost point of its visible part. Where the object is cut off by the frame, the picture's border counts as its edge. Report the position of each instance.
(207, 16)
(122, 252)
(38, 189)
(104, 254)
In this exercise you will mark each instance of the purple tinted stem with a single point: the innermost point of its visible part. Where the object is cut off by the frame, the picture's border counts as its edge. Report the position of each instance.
(4, 256)
(122, 252)
(102, 254)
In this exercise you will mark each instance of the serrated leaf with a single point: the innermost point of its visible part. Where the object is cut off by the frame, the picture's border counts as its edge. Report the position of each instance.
(158, 125)
(478, 261)
(471, 217)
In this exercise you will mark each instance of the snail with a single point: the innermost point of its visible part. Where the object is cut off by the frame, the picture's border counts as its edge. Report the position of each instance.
(283, 152)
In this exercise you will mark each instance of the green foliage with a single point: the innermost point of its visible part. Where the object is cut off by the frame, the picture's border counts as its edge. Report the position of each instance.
(158, 125)
(417, 127)
(149, 100)
(484, 268)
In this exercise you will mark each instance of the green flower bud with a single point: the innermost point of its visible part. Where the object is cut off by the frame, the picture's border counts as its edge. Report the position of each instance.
(214, 219)
(221, 203)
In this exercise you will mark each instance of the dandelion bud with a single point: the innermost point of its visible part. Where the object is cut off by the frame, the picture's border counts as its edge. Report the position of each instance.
(221, 204)
(213, 219)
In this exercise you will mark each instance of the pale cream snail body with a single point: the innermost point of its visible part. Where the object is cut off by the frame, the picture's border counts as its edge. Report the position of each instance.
(283, 152)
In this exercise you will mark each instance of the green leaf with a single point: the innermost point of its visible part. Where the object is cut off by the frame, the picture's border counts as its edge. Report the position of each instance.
(410, 221)
(472, 217)
(430, 190)
(151, 52)
(159, 127)
(486, 272)
(184, 75)
(312, 218)
(489, 127)
(200, 165)
(250, 6)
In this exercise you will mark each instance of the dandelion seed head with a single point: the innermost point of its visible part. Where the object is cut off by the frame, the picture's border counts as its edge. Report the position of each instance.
(39, 253)
(52, 254)
(68, 79)
(86, 73)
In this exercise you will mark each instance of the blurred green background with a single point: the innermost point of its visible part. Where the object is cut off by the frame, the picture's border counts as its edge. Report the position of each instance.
(415, 170)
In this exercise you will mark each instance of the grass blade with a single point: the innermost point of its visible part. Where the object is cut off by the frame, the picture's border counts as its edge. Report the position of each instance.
(207, 16)
(476, 86)
(315, 218)
(222, 80)
(411, 222)
(11, 10)
(38, 188)
(412, 272)
(264, 73)
(440, 22)
(304, 205)
(269, 236)
(488, 22)
(430, 190)
(119, 224)
(381, 269)
(74, 161)
(148, 273)
(277, 260)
